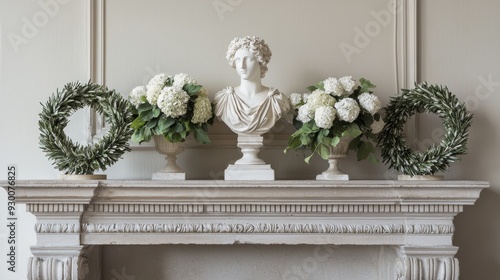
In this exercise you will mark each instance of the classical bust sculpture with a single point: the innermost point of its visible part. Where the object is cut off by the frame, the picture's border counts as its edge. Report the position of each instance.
(250, 108)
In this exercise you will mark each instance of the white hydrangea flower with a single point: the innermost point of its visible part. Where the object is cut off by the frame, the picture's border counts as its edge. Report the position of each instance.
(347, 109)
(135, 96)
(295, 99)
(154, 87)
(181, 79)
(348, 84)
(320, 98)
(173, 102)
(305, 113)
(305, 97)
(377, 126)
(202, 110)
(324, 117)
(370, 102)
(333, 86)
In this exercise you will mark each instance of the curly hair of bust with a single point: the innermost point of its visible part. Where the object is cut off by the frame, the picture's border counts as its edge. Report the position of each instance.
(253, 44)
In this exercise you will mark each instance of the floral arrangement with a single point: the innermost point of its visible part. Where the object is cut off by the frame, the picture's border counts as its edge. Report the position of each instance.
(173, 107)
(336, 109)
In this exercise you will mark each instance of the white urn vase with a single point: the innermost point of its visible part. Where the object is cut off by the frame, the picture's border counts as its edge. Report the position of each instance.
(336, 153)
(171, 171)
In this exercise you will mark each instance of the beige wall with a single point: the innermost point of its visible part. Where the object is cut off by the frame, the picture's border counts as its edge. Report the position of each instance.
(459, 46)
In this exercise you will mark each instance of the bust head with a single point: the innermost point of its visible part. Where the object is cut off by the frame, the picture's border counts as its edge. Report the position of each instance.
(254, 45)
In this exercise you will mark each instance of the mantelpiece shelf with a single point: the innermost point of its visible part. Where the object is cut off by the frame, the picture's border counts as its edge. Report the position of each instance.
(416, 217)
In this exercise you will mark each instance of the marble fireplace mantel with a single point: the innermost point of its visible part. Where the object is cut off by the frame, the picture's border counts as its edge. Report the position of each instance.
(75, 217)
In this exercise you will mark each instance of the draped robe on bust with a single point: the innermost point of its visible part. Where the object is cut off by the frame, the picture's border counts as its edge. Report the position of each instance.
(242, 119)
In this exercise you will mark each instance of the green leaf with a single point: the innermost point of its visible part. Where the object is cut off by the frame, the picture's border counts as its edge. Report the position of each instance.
(323, 151)
(187, 125)
(353, 130)
(305, 129)
(147, 134)
(156, 112)
(144, 107)
(320, 85)
(305, 139)
(146, 115)
(191, 89)
(179, 127)
(164, 123)
(176, 137)
(353, 145)
(365, 150)
(311, 88)
(293, 143)
(307, 159)
(183, 134)
(152, 123)
(335, 141)
(327, 141)
(319, 138)
(137, 123)
(367, 119)
(200, 135)
(365, 85)
(138, 136)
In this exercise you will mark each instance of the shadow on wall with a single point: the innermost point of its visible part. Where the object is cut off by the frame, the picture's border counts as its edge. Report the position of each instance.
(477, 236)
(247, 262)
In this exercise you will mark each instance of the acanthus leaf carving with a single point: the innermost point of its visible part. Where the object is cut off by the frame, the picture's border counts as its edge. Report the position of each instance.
(56, 228)
(268, 228)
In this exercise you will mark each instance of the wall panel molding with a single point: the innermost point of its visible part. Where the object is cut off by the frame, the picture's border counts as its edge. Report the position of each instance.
(405, 57)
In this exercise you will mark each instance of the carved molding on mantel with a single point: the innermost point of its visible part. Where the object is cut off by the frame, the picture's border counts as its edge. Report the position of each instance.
(59, 262)
(415, 217)
(57, 228)
(272, 208)
(40, 208)
(360, 196)
(269, 228)
(430, 263)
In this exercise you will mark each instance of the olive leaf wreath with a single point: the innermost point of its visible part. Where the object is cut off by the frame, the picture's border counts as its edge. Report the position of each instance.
(72, 157)
(424, 98)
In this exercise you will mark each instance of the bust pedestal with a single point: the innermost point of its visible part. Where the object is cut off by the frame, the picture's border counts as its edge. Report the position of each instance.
(249, 166)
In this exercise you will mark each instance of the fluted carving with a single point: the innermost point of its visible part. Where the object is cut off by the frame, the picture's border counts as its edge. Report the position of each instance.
(430, 268)
(427, 264)
(58, 263)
